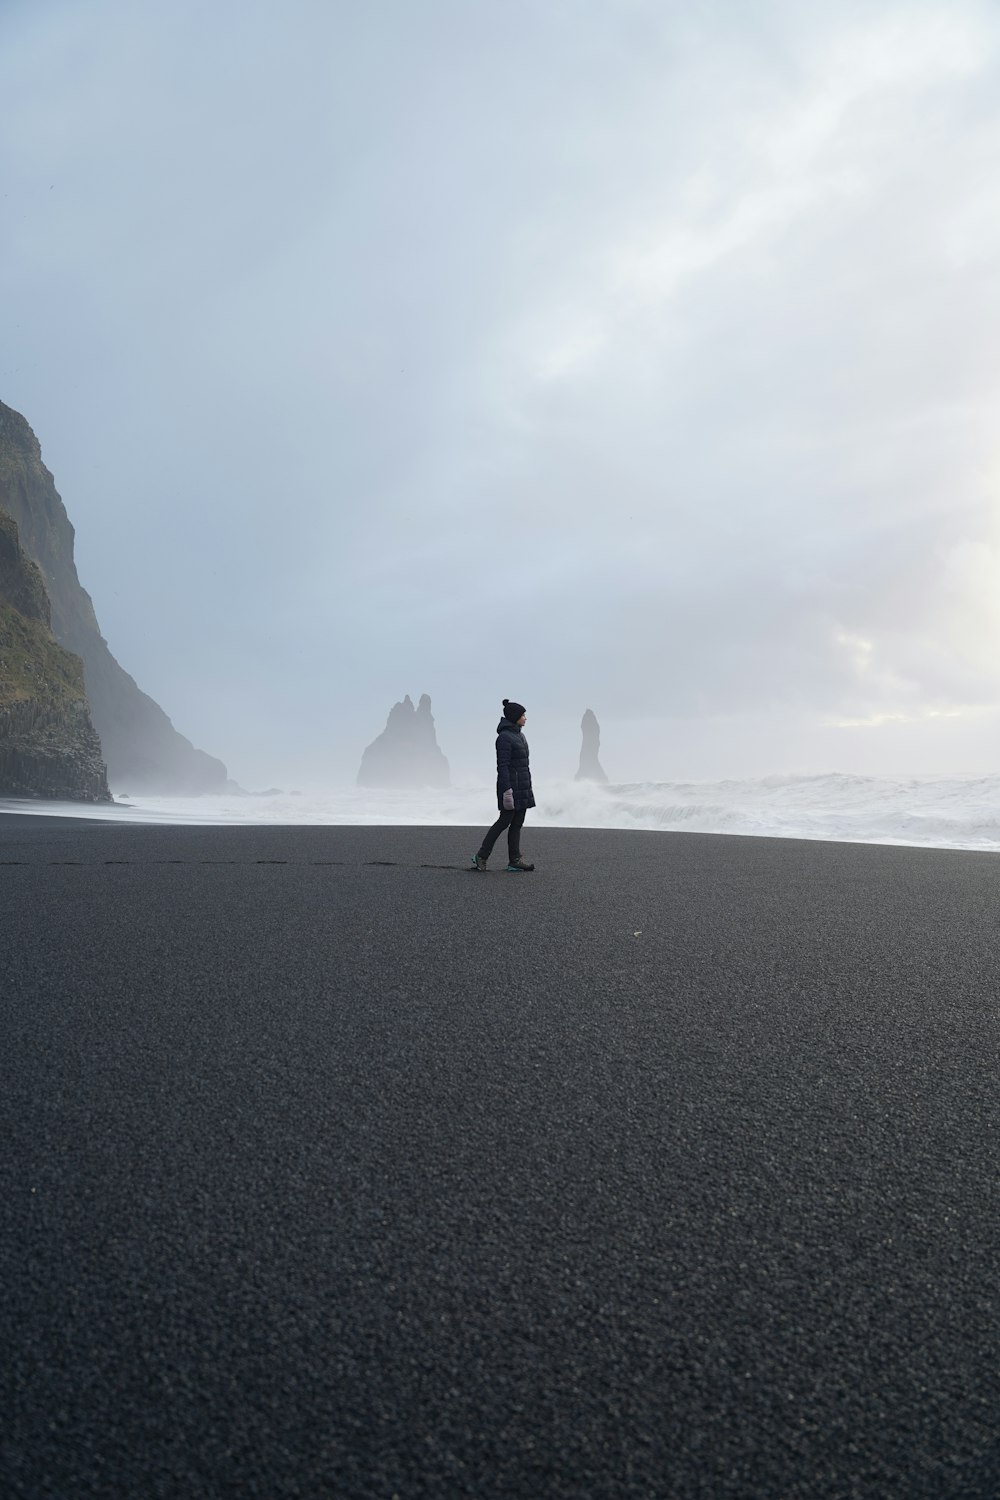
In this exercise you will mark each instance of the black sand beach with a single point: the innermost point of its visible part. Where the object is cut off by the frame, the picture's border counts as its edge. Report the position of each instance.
(331, 1168)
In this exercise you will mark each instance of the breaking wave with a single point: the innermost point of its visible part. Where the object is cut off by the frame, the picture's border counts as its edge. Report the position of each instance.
(957, 812)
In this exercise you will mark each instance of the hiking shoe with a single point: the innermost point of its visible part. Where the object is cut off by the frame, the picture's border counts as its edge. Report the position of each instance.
(520, 866)
(478, 862)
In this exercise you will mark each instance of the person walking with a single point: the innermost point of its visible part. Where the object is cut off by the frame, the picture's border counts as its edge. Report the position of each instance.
(514, 794)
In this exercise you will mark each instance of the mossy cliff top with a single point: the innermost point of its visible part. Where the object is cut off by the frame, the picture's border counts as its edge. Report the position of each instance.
(32, 665)
(48, 745)
(28, 494)
(21, 583)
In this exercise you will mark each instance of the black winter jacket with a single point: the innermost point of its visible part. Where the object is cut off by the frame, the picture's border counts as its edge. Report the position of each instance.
(513, 771)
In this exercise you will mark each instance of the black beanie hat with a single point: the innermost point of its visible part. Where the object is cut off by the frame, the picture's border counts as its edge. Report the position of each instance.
(512, 710)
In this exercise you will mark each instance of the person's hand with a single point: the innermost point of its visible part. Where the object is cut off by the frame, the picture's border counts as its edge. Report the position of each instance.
(508, 801)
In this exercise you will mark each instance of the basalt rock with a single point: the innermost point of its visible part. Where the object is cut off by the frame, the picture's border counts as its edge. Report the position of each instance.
(590, 762)
(48, 744)
(406, 753)
(143, 750)
(51, 752)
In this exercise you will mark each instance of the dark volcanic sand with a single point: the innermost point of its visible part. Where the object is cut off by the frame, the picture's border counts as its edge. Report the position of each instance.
(331, 1168)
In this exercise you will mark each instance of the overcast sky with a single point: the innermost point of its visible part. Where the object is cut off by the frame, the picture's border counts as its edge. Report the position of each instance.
(639, 356)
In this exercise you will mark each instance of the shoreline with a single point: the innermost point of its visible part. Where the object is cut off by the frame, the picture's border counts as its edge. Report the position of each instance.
(78, 815)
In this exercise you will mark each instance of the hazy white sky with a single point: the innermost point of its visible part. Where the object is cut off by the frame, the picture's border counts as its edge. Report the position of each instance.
(597, 352)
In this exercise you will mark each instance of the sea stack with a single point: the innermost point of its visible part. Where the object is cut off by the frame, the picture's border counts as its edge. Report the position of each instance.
(143, 750)
(406, 753)
(590, 764)
(48, 744)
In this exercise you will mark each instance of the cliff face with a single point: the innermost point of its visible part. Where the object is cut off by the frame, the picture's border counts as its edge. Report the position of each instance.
(48, 745)
(590, 749)
(406, 753)
(144, 751)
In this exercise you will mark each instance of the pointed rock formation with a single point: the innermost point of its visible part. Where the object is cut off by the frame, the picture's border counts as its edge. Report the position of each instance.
(48, 745)
(590, 764)
(406, 753)
(142, 748)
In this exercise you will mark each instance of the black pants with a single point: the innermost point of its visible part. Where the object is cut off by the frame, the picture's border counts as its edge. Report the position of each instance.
(512, 821)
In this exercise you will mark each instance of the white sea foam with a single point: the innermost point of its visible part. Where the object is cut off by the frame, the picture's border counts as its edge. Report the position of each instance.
(958, 812)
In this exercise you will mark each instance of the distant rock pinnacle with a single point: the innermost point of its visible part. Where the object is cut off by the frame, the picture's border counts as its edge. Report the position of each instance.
(590, 764)
(406, 753)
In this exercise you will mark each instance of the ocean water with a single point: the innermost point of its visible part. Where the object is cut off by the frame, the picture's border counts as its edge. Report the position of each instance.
(954, 812)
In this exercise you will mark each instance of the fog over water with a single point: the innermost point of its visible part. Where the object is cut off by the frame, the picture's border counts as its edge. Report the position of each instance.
(958, 812)
(628, 355)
